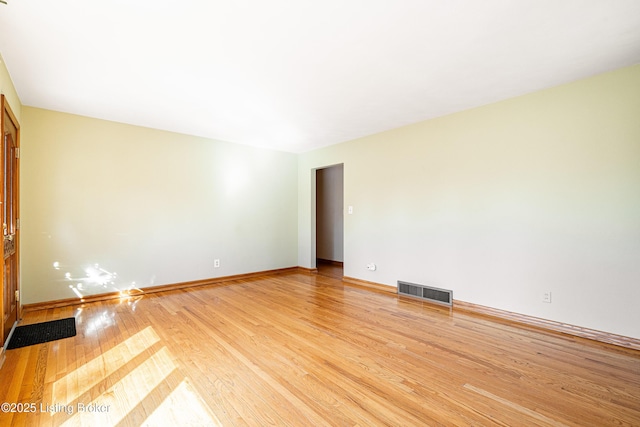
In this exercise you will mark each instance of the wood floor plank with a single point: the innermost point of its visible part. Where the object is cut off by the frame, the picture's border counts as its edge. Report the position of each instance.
(296, 349)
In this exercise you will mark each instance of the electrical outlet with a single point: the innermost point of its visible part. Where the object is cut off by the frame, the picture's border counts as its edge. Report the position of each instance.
(546, 297)
(216, 263)
(371, 267)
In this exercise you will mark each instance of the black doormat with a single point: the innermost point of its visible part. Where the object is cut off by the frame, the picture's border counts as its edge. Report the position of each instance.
(39, 333)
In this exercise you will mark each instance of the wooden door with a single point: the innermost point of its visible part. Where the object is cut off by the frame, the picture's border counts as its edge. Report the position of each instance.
(9, 154)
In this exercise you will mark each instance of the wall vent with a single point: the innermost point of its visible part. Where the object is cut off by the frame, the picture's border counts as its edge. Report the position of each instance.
(429, 293)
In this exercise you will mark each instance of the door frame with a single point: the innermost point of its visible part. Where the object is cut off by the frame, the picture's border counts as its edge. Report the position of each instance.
(5, 110)
(314, 213)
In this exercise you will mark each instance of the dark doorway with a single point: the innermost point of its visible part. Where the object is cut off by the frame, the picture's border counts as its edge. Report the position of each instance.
(330, 221)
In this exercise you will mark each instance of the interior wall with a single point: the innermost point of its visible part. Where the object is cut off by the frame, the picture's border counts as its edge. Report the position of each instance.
(108, 206)
(330, 213)
(503, 203)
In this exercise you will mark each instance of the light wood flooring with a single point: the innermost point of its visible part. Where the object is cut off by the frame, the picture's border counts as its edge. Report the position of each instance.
(330, 268)
(306, 350)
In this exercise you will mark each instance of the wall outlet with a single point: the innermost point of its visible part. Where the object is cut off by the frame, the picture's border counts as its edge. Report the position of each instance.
(371, 267)
(216, 263)
(546, 297)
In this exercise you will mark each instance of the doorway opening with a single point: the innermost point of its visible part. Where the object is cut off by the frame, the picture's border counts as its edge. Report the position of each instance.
(330, 221)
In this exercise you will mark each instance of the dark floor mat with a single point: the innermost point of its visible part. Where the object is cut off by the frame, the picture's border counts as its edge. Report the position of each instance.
(39, 333)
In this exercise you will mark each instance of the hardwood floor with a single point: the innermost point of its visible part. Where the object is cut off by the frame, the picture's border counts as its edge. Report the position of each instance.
(330, 268)
(306, 350)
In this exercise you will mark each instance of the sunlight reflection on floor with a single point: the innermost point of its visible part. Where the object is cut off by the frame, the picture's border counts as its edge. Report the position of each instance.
(182, 407)
(85, 377)
(146, 392)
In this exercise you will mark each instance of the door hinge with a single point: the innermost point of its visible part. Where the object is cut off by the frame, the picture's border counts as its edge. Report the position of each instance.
(17, 223)
(17, 295)
(17, 152)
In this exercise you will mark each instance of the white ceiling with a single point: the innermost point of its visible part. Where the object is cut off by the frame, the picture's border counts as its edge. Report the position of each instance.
(296, 75)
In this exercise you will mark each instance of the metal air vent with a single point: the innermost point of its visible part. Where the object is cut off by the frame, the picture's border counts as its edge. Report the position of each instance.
(429, 293)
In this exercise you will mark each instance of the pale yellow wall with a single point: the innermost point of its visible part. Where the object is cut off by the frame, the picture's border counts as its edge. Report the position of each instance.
(154, 207)
(503, 202)
(9, 91)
